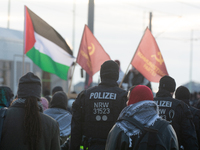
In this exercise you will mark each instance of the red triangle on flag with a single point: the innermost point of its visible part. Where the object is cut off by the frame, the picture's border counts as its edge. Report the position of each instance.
(29, 32)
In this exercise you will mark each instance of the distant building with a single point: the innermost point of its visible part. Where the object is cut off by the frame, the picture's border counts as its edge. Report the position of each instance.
(11, 62)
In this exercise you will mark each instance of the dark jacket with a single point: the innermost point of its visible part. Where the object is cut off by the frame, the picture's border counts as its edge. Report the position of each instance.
(196, 119)
(136, 80)
(95, 111)
(179, 114)
(58, 111)
(118, 140)
(13, 131)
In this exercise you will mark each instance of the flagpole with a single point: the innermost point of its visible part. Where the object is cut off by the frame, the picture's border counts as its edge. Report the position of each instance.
(71, 79)
(24, 39)
(132, 59)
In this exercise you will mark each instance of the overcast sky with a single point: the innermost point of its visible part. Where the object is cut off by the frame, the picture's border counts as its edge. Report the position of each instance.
(119, 26)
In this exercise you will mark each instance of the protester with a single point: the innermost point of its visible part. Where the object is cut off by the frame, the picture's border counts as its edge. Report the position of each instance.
(47, 95)
(45, 103)
(134, 77)
(177, 113)
(140, 108)
(6, 96)
(25, 127)
(58, 111)
(121, 73)
(96, 109)
(182, 93)
(197, 103)
(56, 89)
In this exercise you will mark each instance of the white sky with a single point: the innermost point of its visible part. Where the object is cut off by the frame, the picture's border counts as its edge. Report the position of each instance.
(119, 26)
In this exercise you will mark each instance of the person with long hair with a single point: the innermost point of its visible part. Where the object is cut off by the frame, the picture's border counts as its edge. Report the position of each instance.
(25, 126)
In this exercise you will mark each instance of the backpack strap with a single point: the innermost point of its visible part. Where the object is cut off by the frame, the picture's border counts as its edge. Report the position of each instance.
(2, 117)
(159, 125)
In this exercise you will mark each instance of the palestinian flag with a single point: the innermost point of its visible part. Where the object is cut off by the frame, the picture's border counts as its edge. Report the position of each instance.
(45, 46)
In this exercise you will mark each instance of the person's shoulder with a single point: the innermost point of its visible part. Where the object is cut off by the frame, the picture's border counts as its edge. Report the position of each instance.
(82, 93)
(120, 91)
(47, 110)
(116, 130)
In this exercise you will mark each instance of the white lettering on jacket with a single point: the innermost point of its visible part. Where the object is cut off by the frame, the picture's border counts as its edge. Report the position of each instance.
(164, 103)
(103, 95)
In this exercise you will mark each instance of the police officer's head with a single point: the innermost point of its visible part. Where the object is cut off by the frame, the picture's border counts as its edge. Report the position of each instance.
(167, 83)
(109, 70)
(182, 93)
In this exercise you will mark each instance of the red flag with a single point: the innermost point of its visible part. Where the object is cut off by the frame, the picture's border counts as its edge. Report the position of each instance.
(91, 54)
(148, 59)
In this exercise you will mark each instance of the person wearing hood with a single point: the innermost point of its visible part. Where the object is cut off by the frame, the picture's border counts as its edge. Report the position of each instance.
(96, 109)
(6, 96)
(182, 93)
(25, 126)
(140, 108)
(177, 113)
(56, 89)
(58, 111)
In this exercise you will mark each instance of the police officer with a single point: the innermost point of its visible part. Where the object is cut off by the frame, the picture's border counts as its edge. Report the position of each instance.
(182, 93)
(96, 109)
(177, 113)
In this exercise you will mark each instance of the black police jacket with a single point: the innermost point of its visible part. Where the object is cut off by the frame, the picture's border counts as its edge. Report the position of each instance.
(196, 121)
(95, 111)
(196, 118)
(180, 116)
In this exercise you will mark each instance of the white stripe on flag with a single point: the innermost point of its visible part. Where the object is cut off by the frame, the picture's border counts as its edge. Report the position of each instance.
(49, 48)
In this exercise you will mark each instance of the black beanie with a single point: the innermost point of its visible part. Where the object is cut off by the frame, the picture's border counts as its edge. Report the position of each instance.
(29, 85)
(182, 93)
(109, 70)
(167, 83)
(59, 100)
(56, 89)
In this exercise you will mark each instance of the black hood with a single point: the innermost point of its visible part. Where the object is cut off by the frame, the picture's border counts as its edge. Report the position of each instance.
(59, 100)
(109, 70)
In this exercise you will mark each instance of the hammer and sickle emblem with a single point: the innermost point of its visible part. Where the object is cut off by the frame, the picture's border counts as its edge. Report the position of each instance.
(91, 49)
(158, 59)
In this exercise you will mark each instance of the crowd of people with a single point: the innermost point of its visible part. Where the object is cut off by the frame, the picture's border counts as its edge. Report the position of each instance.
(103, 117)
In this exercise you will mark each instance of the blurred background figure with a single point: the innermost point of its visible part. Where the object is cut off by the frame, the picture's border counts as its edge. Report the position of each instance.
(6, 96)
(134, 77)
(56, 89)
(197, 102)
(182, 93)
(45, 103)
(47, 95)
(121, 73)
(58, 110)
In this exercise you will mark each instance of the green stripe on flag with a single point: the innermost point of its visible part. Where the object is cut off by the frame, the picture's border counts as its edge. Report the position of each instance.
(47, 64)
